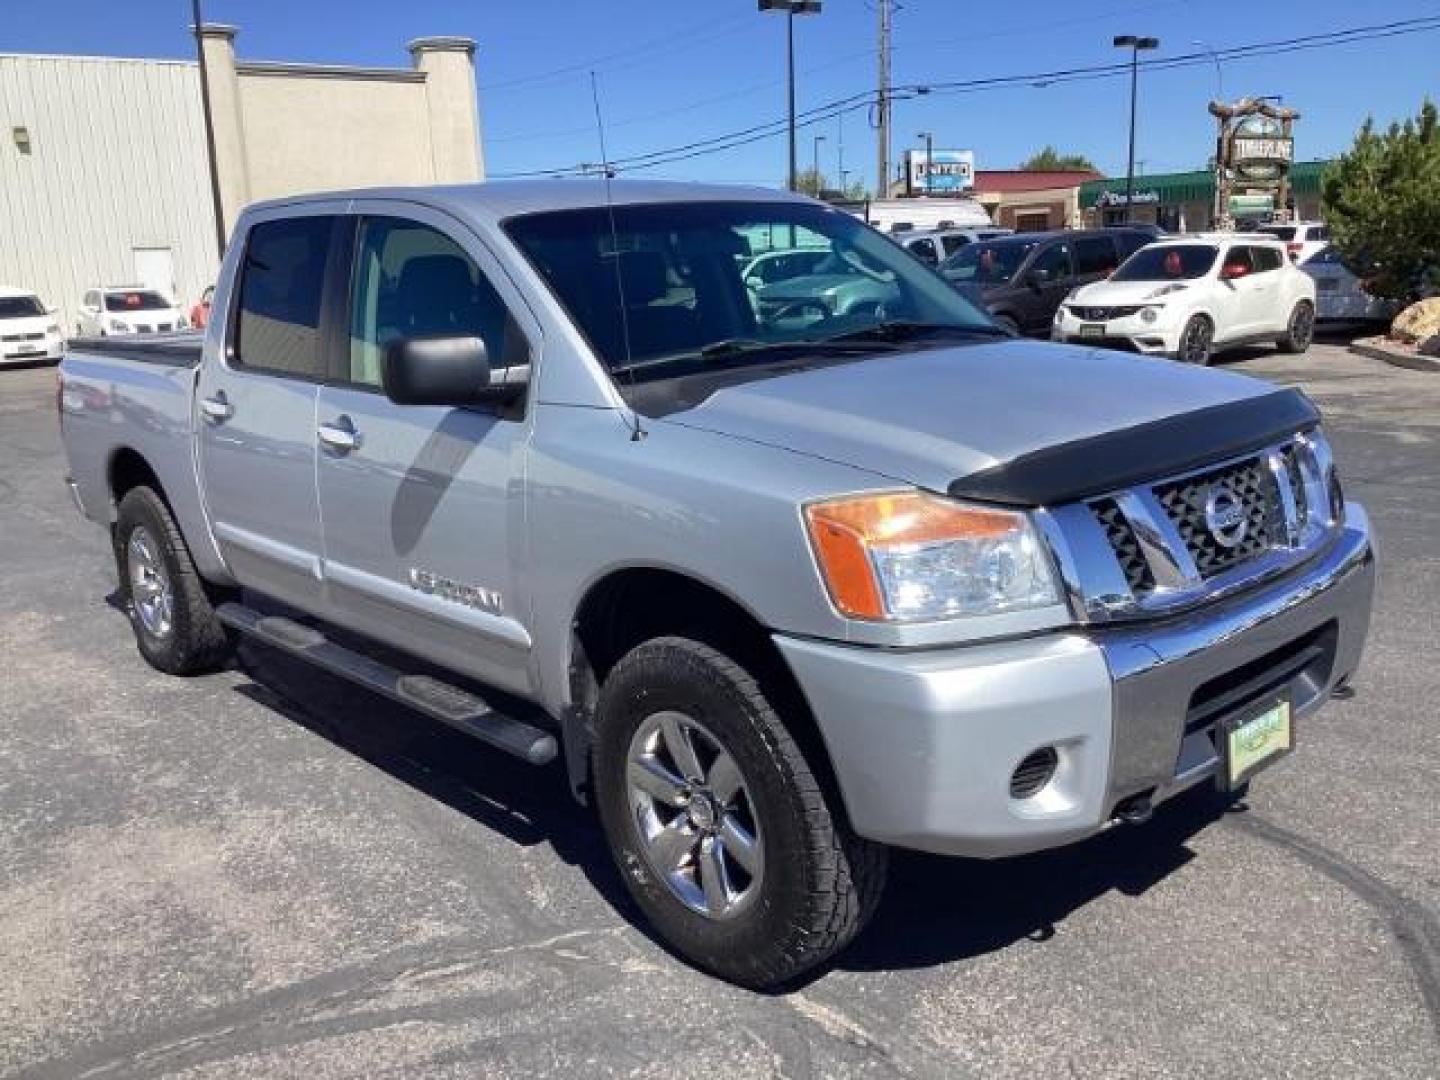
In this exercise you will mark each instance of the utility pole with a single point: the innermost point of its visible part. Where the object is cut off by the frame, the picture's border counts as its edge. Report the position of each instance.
(882, 173)
(209, 131)
(1135, 45)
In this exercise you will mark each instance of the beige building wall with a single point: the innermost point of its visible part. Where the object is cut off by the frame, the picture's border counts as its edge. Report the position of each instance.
(285, 129)
(103, 169)
(1060, 208)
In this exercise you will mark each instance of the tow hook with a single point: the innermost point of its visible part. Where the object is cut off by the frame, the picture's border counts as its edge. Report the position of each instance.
(1136, 810)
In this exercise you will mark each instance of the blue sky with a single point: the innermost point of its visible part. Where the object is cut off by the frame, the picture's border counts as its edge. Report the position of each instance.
(673, 72)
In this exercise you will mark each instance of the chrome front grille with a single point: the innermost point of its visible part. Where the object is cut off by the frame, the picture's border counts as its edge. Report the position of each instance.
(22, 337)
(1251, 485)
(1181, 540)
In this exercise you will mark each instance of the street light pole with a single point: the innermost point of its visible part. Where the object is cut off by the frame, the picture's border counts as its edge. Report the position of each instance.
(929, 138)
(815, 162)
(791, 8)
(1135, 45)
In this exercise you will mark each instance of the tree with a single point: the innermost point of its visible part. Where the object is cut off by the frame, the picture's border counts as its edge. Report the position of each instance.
(1051, 160)
(813, 182)
(1382, 202)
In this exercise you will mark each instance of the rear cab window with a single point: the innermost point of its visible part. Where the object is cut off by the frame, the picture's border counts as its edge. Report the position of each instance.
(281, 288)
(1095, 255)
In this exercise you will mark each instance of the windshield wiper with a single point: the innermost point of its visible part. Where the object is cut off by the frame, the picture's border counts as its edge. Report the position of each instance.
(745, 349)
(897, 330)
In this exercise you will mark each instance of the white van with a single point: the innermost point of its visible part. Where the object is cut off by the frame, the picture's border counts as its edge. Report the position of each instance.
(904, 215)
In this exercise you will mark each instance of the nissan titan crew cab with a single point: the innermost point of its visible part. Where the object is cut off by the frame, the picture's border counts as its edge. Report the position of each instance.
(784, 580)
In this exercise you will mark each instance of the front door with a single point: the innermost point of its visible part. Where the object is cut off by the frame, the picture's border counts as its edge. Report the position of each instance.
(422, 506)
(256, 405)
(1050, 277)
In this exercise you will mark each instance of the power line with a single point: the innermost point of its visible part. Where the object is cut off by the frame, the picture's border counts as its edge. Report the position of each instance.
(840, 106)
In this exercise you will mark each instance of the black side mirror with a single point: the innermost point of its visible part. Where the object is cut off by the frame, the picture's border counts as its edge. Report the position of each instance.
(451, 371)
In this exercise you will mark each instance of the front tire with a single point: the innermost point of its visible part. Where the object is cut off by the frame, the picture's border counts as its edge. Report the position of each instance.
(721, 830)
(1299, 331)
(1197, 341)
(175, 626)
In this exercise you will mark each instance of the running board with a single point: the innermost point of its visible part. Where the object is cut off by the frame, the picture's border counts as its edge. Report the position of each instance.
(424, 693)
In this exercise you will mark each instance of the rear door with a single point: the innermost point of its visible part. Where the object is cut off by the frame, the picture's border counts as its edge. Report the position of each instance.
(422, 505)
(256, 405)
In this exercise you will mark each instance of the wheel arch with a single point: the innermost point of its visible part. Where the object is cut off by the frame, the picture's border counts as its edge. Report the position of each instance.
(628, 605)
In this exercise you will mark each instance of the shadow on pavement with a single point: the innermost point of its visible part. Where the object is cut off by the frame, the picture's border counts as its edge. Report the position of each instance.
(935, 910)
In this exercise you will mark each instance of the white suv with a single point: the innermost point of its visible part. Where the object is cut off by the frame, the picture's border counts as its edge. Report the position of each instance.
(1193, 296)
(1303, 239)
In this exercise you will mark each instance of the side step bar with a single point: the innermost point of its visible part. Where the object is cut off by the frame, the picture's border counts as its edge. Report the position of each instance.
(449, 704)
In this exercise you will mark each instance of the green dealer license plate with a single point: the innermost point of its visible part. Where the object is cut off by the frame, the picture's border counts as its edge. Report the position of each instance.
(1092, 330)
(1254, 739)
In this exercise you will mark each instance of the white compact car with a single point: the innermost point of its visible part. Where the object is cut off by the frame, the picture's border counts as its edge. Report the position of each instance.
(28, 330)
(1190, 297)
(128, 309)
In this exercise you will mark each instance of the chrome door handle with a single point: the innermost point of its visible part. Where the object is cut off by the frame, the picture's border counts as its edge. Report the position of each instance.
(340, 436)
(217, 409)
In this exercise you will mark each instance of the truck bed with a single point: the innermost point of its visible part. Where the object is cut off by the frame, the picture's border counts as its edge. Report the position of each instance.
(121, 398)
(171, 350)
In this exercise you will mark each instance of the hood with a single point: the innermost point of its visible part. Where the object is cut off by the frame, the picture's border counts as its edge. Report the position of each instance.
(1121, 293)
(928, 418)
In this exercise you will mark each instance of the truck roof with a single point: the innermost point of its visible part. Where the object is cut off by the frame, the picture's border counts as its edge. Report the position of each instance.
(500, 199)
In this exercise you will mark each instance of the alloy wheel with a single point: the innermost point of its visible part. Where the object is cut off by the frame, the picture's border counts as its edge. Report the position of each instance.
(1302, 327)
(694, 815)
(1195, 347)
(150, 592)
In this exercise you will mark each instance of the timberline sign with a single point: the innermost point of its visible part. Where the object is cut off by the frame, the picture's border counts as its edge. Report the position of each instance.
(1254, 150)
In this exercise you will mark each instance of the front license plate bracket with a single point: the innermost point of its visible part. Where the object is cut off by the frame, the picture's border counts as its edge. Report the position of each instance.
(1254, 738)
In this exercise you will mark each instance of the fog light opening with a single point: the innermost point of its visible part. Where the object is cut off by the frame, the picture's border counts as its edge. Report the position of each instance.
(1033, 773)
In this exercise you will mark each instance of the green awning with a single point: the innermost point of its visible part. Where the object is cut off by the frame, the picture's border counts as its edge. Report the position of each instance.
(1170, 189)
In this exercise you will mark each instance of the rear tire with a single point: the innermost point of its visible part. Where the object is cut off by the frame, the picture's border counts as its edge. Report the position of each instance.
(811, 883)
(1197, 341)
(170, 611)
(1300, 331)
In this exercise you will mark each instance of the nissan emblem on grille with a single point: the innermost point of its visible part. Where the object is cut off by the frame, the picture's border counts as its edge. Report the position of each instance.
(1225, 517)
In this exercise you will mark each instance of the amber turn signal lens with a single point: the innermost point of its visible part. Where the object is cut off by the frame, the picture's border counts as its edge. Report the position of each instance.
(845, 531)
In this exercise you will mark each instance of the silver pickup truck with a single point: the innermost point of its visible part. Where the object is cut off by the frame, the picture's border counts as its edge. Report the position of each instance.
(782, 585)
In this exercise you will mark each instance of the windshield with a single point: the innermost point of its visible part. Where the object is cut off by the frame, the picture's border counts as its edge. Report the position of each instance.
(135, 300)
(987, 263)
(20, 307)
(1169, 262)
(680, 288)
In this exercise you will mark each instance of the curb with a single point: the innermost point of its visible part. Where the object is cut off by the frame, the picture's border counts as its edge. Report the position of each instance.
(1395, 357)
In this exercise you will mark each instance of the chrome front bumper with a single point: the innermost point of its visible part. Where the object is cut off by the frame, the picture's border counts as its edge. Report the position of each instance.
(924, 742)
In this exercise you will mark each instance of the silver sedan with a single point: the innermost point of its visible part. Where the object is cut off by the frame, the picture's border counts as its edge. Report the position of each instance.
(1339, 294)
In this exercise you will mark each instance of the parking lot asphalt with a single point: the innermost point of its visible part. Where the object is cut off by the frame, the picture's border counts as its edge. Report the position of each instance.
(264, 872)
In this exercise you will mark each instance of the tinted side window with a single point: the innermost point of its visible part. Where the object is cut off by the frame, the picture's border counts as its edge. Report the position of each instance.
(1239, 256)
(412, 281)
(1266, 259)
(1095, 255)
(952, 244)
(924, 250)
(282, 279)
(1052, 264)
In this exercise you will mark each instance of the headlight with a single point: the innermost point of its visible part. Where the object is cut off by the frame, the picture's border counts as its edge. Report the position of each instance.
(1149, 314)
(911, 557)
(119, 327)
(1060, 314)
